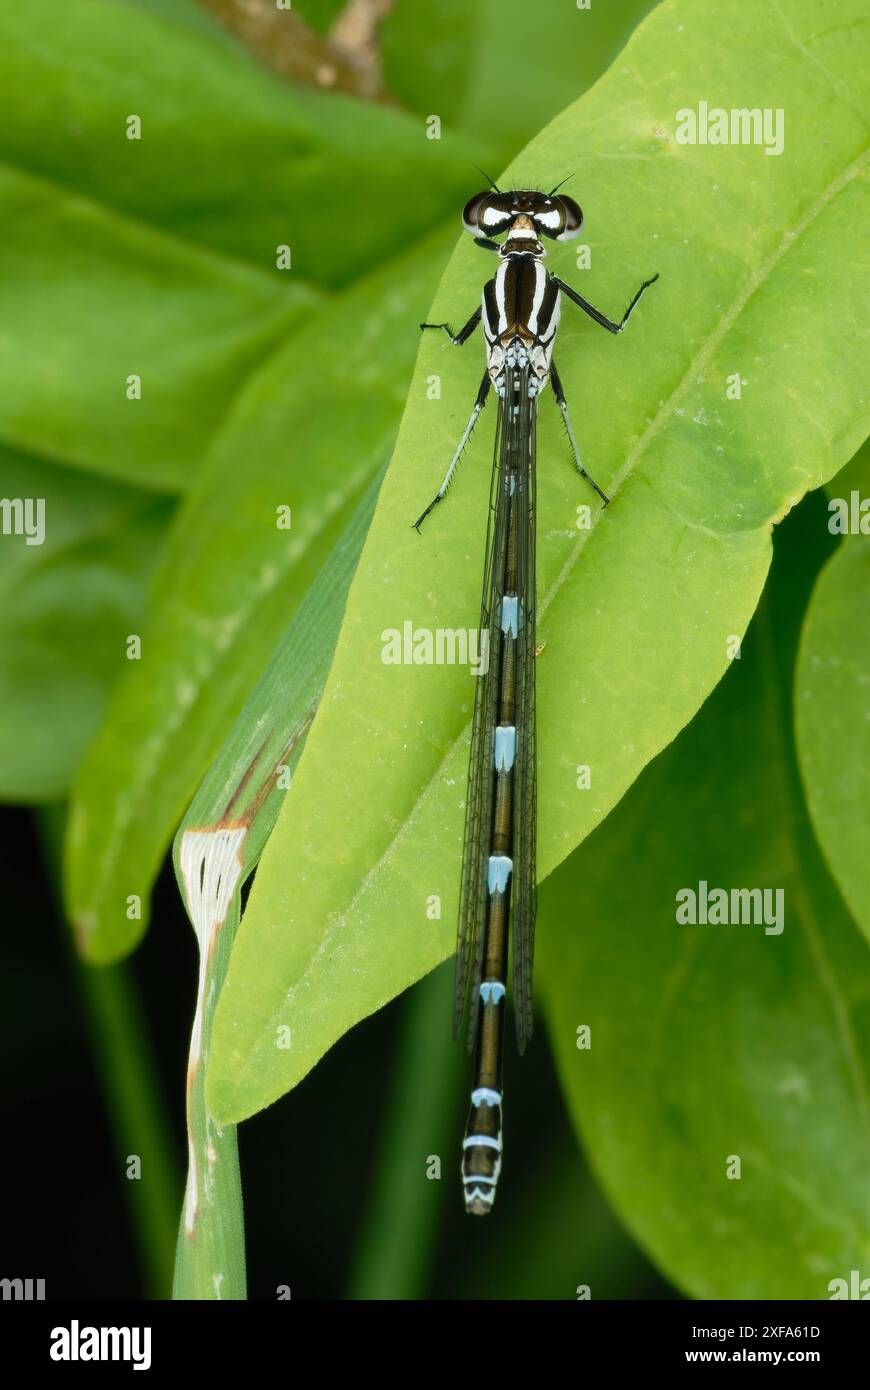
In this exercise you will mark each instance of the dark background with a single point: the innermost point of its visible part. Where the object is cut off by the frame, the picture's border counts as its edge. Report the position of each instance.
(307, 1162)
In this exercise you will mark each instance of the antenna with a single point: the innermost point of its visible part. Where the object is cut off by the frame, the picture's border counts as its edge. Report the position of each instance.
(561, 185)
(492, 183)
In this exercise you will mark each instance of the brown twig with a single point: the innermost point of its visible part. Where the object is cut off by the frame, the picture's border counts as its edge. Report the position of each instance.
(348, 60)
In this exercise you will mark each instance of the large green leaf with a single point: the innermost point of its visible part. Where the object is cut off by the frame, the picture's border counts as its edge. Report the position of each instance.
(471, 58)
(123, 300)
(309, 431)
(855, 477)
(67, 606)
(229, 157)
(217, 847)
(711, 1041)
(231, 166)
(832, 706)
(150, 279)
(189, 12)
(762, 264)
(429, 67)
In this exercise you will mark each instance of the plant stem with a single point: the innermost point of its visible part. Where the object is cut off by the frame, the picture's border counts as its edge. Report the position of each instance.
(397, 1243)
(131, 1089)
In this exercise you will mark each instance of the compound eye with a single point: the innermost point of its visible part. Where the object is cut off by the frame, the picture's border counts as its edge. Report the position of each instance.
(550, 218)
(472, 211)
(487, 214)
(573, 218)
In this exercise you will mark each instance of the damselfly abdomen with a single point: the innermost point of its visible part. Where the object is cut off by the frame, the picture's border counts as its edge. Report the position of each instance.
(520, 314)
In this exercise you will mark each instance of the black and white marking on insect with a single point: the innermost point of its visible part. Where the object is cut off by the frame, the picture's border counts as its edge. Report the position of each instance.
(519, 310)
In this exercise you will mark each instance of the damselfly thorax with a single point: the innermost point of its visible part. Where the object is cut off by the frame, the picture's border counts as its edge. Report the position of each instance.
(520, 312)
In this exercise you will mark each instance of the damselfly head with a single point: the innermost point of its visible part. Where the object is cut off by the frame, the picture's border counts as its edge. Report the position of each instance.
(553, 215)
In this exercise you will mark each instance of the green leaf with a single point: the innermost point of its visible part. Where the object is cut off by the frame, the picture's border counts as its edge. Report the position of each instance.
(832, 713)
(149, 284)
(216, 849)
(230, 579)
(855, 477)
(762, 265)
(189, 12)
(229, 158)
(320, 15)
(713, 1041)
(471, 57)
(68, 602)
(122, 300)
(429, 67)
(246, 783)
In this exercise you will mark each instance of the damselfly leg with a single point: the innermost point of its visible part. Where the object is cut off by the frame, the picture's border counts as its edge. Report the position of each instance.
(596, 314)
(465, 332)
(466, 435)
(559, 397)
(457, 339)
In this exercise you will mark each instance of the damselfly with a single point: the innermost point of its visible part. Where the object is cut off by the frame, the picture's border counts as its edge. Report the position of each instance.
(520, 313)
